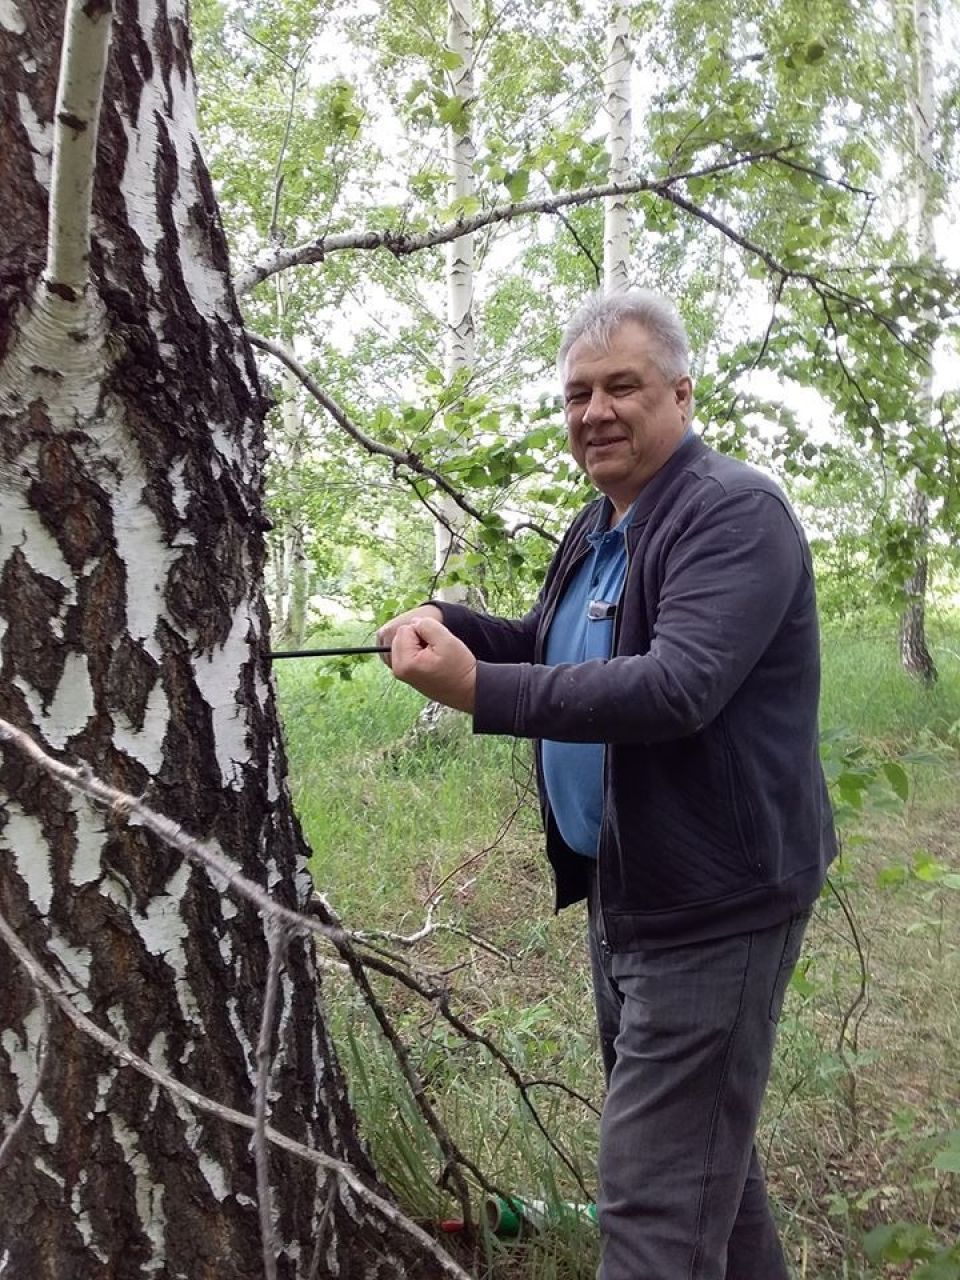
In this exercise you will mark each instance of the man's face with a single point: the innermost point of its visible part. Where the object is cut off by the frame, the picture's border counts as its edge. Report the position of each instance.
(624, 418)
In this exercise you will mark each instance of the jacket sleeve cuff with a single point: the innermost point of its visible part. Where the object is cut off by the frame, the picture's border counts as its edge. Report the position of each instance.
(498, 698)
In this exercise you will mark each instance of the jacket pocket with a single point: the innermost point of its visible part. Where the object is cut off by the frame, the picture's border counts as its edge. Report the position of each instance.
(738, 798)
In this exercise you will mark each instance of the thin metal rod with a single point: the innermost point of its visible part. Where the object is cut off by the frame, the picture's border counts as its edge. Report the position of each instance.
(328, 653)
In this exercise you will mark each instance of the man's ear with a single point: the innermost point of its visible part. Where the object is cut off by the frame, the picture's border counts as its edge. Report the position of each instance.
(683, 390)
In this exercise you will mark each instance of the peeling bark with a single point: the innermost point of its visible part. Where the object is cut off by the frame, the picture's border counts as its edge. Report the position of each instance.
(133, 637)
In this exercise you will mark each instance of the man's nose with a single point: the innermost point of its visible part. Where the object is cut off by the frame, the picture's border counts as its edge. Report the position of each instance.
(600, 407)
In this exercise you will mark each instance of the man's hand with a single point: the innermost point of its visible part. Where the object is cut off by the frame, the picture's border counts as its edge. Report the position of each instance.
(389, 629)
(432, 660)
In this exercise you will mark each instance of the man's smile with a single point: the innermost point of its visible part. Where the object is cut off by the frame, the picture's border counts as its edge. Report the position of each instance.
(605, 442)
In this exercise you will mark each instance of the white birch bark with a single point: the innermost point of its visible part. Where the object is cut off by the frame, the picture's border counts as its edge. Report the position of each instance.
(460, 335)
(616, 86)
(914, 653)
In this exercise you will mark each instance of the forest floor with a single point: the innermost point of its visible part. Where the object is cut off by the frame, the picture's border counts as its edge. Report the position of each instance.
(865, 1097)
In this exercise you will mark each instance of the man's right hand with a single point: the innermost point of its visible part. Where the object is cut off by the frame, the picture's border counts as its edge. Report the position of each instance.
(389, 629)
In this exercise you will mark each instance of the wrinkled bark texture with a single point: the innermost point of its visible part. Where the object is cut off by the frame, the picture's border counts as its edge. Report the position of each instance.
(133, 637)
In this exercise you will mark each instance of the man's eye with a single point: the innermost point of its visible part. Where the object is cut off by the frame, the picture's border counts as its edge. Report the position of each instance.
(576, 397)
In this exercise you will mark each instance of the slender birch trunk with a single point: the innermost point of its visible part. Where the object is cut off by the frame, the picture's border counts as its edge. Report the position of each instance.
(460, 337)
(914, 653)
(291, 621)
(616, 84)
(133, 637)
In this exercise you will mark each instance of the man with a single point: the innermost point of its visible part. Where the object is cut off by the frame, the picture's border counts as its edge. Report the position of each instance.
(669, 673)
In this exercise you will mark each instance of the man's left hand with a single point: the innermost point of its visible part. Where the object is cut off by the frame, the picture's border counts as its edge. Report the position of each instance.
(431, 659)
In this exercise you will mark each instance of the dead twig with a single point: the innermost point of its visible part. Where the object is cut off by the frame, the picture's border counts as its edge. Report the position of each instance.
(200, 1102)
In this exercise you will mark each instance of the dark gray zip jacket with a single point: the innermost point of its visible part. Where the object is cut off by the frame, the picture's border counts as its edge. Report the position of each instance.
(716, 814)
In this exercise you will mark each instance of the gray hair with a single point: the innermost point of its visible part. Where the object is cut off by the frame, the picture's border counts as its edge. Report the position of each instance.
(603, 313)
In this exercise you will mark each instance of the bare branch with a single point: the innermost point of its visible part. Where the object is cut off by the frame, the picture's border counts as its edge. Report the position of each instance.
(123, 805)
(320, 1235)
(427, 930)
(399, 457)
(439, 996)
(43, 1057)
(41, 978)
(400, 243)
(583, 247)
(274, 231)
(453, 1156)
(83, 66)
(277, 940)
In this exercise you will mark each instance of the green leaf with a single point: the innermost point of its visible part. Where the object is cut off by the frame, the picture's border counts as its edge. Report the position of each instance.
(517, 183)
(452, 111)
(450, 60)
(897, 777)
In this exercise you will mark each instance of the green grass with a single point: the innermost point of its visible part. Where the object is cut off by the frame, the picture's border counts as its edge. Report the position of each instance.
(865, 690)
(853, 1121)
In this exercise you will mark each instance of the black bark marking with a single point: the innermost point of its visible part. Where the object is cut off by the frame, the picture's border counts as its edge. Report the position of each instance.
(100, 612)
(30, 601)
(72, 122)
(206, 215)
(16, 281)
(62, 291)
(131, 676)
(164, 51)
(144, 864)
(73, 507)
(131, 63)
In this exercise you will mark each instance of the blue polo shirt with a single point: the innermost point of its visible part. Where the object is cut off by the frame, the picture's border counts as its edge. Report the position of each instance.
(581, 629)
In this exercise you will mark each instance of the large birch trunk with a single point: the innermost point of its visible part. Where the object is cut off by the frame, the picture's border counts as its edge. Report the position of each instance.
(133, 637)
(914, 653)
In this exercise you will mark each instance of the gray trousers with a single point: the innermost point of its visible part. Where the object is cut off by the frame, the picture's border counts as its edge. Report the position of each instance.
(687, 1039)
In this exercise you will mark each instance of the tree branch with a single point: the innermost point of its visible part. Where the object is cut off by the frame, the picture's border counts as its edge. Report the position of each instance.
(41, 978)
(399, 457)
(83, 66)
(405, 459)
(453, 1156)
(400, 243)
(439, 997)
(274, 232)
(123, 806)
